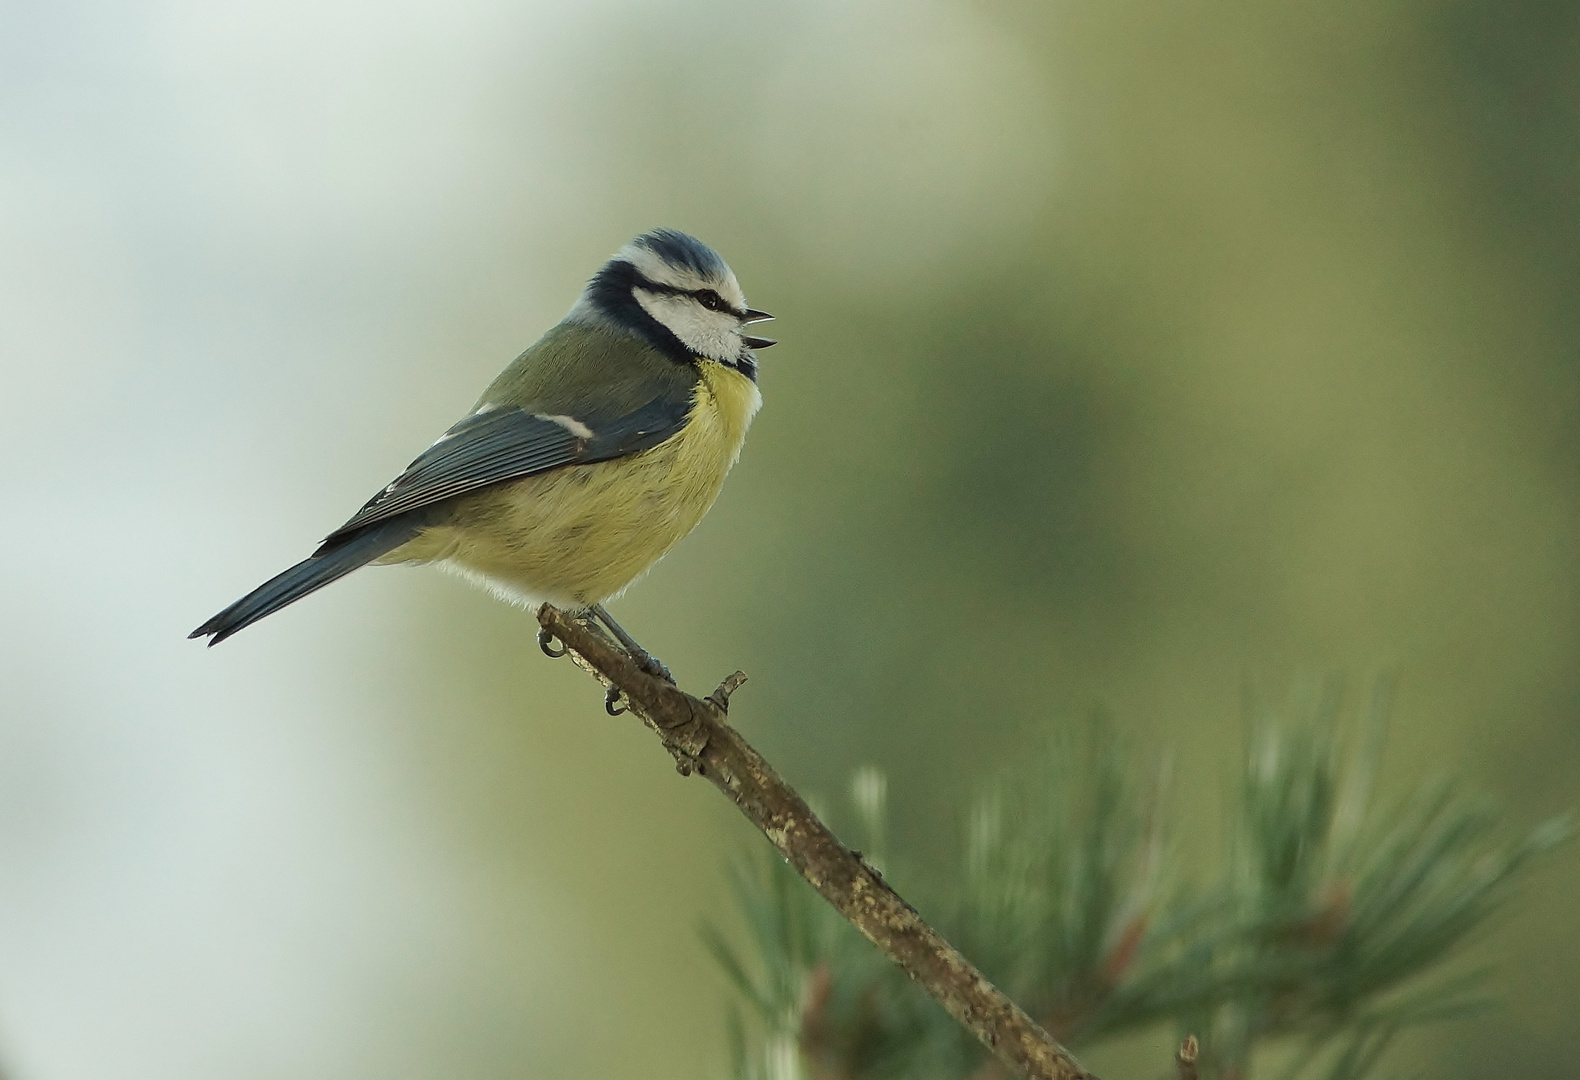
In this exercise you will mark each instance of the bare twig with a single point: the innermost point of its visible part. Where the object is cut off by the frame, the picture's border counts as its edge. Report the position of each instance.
(694, 731)
(1186, 1058)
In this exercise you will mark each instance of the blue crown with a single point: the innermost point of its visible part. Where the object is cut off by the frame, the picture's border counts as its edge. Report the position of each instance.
(683, 252)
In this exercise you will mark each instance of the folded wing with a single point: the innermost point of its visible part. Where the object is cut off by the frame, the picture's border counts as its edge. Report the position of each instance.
(489, 447)
(501, 444)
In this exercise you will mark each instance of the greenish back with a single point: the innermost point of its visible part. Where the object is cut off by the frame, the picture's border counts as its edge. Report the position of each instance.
(585, 370)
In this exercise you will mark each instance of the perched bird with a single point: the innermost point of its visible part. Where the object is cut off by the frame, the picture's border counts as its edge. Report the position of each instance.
(585, 461)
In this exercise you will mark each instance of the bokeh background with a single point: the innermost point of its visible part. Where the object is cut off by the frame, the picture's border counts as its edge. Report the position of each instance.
(1131, 352)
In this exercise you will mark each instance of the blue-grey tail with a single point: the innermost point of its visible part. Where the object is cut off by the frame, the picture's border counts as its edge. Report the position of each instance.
(326, 565)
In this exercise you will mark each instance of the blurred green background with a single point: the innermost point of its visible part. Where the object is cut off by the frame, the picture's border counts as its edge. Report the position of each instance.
(1131, 353)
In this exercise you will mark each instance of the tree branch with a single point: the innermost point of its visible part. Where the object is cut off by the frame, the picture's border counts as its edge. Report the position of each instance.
(695, 732)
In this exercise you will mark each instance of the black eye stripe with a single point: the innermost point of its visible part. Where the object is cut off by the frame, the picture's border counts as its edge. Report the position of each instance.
(708, 298)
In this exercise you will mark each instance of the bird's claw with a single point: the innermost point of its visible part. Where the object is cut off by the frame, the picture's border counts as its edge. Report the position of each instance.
(611, 699)
(546, 643)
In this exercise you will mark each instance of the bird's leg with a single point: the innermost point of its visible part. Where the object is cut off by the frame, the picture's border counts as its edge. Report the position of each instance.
(644, 659)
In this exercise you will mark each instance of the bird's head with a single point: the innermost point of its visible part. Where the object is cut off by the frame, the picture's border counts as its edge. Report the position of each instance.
(678, 293)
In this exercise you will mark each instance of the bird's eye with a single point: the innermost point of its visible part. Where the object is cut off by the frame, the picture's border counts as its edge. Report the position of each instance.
(710, 299)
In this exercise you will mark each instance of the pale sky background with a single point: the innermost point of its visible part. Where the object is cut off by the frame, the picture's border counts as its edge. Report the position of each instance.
(252, 256)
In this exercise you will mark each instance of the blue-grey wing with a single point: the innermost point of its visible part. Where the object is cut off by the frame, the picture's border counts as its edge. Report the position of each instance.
(509, 443)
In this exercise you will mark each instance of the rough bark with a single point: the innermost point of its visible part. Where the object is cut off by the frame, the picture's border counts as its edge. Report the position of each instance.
(695, 732)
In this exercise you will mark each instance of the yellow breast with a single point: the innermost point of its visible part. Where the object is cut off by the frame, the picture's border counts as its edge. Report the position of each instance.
(581, 534)
(726, 401)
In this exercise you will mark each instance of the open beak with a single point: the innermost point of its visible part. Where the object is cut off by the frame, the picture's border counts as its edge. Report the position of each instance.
(752, 315)
(758, 342)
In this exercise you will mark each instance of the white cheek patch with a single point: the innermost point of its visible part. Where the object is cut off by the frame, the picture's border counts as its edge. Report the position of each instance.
(569, 423)
(663, 308)
(704, 332)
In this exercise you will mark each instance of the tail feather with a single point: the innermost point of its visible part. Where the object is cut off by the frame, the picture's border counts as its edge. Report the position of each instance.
(309, 576)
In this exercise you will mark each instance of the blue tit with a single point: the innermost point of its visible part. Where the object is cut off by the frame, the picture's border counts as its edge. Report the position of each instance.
(584, 462)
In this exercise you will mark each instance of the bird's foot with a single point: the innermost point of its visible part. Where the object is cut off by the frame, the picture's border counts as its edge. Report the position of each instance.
(650, 665)
(653, 666)
(546, 643)
(645, 660)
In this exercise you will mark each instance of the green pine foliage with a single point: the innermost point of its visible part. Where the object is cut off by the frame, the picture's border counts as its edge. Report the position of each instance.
(1328, 928)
